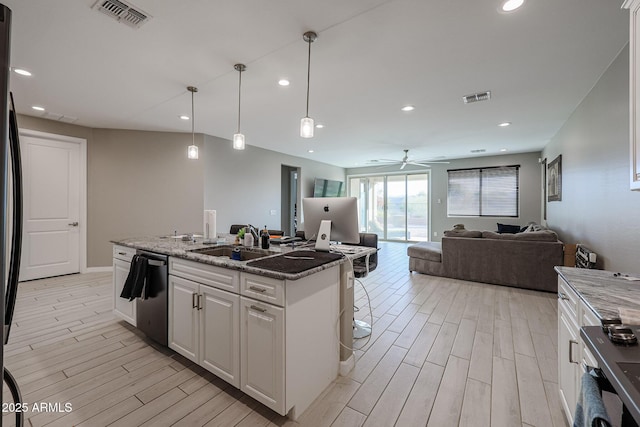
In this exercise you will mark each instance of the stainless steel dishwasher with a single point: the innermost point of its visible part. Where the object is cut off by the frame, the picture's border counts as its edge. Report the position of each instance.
(152, 312)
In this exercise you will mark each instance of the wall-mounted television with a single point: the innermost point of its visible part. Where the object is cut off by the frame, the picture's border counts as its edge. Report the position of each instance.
(328, 188)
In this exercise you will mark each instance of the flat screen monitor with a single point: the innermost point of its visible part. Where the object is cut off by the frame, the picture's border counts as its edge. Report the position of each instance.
(327, 188)
(341, 211)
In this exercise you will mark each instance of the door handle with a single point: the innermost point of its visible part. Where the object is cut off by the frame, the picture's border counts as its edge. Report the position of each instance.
(562, 296)
(260, 309)
(200, 301)
(193, 300)
(74, 224)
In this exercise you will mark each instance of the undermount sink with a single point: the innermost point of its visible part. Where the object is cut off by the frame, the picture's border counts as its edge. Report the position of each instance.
(227, 251)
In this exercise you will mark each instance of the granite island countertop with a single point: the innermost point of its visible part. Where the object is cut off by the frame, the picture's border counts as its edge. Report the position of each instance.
(603, 292)
(168, 245)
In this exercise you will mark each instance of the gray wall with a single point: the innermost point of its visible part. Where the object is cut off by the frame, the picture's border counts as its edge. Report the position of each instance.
(138, 183)
(530, 191)
(597, 207)
(245, 186)
(141, 183)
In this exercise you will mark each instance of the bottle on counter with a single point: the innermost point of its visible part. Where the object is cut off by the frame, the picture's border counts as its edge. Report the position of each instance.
(248, 237)
(265, 238)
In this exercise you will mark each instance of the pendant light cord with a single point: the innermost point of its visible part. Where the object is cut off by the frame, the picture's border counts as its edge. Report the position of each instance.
(193, 122)
(239, 95)
(308, 74)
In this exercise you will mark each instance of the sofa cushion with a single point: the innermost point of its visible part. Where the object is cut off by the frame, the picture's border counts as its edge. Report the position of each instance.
(463, 233)
(532, 236)
(494, 235)
(430, 251)
(506, 228)
(538, 236)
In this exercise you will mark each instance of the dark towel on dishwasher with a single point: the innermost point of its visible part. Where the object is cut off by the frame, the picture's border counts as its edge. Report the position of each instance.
(590, 408)
(137, 278)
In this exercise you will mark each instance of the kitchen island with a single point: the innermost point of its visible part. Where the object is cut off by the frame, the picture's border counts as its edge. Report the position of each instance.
(586, 297)
(272, 334)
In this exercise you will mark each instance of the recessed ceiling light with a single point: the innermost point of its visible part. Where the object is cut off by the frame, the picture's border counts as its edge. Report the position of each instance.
(38, 108)
(511, 5)
(310, 151)
(408, 108)
(319, 125)
(184, 117)
(504, 124)
(503, 149)
(22, 72)
(283, 82)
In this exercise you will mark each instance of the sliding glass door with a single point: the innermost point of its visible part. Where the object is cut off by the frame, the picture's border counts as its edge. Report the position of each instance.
(394, 206)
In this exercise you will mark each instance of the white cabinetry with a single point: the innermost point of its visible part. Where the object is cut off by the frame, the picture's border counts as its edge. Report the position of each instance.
(122, 307)
(634, 91)
(262, 353)
(276, 340)
(573, 313)
(204, 321)
(289, 338)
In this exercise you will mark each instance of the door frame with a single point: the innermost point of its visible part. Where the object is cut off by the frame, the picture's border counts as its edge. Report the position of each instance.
(82, 185)
(429, 174)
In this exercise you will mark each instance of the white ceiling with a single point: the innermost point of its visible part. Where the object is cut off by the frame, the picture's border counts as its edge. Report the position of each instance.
(371, 58)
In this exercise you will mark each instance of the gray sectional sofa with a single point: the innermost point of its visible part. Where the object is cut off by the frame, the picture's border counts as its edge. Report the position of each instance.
(523, 260)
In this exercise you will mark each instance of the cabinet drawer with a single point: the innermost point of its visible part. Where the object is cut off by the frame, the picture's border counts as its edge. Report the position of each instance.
(261, 288)
(218, 277)
(568, 298)
(124, 253)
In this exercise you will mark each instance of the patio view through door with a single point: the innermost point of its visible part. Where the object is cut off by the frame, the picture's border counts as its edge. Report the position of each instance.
(394, 206)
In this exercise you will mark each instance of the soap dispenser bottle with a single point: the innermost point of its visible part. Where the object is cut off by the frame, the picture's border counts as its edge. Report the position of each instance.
(248, 237)
(264, 238)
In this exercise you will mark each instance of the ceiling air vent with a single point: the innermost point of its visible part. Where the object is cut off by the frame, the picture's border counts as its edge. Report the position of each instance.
(123, 12)
(481, 96)
(481, 150)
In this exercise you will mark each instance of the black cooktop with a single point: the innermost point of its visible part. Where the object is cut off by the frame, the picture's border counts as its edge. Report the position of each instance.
(619, 363)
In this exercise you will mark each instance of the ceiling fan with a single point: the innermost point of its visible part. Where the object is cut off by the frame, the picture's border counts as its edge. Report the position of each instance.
(405, 161)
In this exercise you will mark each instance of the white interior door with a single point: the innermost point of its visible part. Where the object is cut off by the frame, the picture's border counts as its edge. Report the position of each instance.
(51, 176)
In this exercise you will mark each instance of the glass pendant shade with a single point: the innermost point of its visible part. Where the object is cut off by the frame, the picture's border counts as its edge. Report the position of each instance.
(238, 138)
(238, 141)
(192, 152)
(306, 127)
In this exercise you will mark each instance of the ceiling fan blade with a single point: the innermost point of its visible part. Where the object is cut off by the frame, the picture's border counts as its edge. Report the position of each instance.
(403, 165)
(419, 164)
(431, 161)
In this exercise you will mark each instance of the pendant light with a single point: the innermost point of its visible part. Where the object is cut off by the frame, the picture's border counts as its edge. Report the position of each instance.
(192, 150)
(238, 138)
(306, 124)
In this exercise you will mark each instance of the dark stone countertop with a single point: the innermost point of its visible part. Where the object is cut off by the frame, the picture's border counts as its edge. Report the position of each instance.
(168, 245)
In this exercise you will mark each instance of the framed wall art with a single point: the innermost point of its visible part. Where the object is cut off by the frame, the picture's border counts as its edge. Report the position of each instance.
(554, 180)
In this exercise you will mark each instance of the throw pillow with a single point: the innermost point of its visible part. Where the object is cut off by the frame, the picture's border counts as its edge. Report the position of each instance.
(506, 228)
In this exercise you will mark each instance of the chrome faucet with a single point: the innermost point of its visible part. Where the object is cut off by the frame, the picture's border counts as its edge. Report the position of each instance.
(254, 233)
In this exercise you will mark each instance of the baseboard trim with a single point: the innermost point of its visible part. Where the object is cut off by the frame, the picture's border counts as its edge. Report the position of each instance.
(98, 270)
(347, 365)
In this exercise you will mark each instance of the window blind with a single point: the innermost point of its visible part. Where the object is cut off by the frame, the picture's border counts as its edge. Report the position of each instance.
(490, 191)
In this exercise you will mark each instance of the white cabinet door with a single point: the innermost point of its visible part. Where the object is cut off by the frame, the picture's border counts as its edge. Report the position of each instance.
(568, 369)
(262, 352)
(122, 307)
(220, 333)
(183, 317)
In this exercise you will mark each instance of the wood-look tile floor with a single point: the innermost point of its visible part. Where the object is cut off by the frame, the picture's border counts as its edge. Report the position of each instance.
(443, 352)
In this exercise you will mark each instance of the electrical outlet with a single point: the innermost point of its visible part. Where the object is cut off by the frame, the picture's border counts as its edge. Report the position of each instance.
(349, 280)
(435, 234)
(272, 212)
